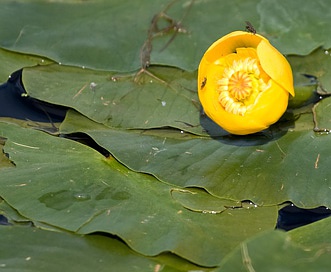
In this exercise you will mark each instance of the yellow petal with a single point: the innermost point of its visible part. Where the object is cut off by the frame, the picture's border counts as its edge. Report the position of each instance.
(275, 65)
(230, 42)
(260, 117)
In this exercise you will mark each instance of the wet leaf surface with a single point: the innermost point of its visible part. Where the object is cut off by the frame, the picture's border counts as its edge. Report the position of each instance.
(307, 22)
(321, 116)
(169, 34)
(267, 169)
(11, 62)
(70, 186)
(180, 185)
(316, 64)
(303, 249)
(37, 250)
(170, 102)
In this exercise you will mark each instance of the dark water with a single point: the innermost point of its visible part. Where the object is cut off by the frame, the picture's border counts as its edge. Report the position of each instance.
(291, 217)
(13, 104)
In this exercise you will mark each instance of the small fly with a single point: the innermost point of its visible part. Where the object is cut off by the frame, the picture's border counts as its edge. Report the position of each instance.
(250, 28)
(203, 83)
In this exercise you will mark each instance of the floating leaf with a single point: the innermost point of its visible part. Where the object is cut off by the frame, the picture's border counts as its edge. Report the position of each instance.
(303, 249)
(297, 26)
(31, 249)
(78, 33)
(58, 184)
(200, 201)
(267, 169)
(100, 28)
(313, 235)
(11, 214)
(71, 186)
(322, 116)
(123, 103)
(110, 35)
(4, 161)
(11, 62)
(317, 64)
(170, 99)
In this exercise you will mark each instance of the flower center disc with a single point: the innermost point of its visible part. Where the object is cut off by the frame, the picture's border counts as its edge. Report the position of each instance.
(240, 86)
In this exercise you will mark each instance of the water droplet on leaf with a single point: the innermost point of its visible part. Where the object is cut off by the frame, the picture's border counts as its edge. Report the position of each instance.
(82, 196)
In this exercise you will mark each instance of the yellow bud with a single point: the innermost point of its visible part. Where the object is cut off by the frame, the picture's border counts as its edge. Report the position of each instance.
(248, 85)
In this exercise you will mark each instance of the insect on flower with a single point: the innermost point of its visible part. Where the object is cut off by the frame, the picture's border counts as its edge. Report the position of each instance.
(203, 83)
(250, 28)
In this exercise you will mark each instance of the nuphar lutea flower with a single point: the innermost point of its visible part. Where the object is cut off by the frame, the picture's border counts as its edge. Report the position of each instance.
(244, 83)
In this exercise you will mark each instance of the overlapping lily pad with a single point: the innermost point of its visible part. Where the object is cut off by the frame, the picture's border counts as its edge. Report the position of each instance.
(267, 169)
(316, 64)
(37, 250)
(303, 249)
(70, 186)
(162, 96)
(109, 35)
(296, 27)
(165, 99)
(322, 117)
(11, 62)
(61, 185)
(4, 161)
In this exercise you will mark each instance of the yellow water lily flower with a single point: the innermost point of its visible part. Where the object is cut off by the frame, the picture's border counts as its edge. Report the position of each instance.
(244, 83)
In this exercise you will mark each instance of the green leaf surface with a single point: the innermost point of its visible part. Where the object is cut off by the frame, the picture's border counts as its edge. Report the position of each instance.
(31, 249)
(11, 214)
(125, 103)
(70, 186)
(114, 28)
(322, 116)
(11, 62)
(166, 97)
(267, 169)
(314, 235)
(4, 161)
(111, 35)
(303, 249)
(296, 27)
(165, 189)
(200, 201)
(78, 33)
(317, 64)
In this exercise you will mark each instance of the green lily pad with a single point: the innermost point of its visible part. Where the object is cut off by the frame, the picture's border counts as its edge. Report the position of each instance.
(200, 201)
(201, 179)
(111, 35)
(11, 214)
(303, 249)
(166, 97)
(11, 62)
(4, 161)
(105, 26)
(70, 186)
(297, 26)
(322, 117)
(317, 64)
(32, 249)
(267, 169)
(313, 235)
(168, 100)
